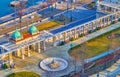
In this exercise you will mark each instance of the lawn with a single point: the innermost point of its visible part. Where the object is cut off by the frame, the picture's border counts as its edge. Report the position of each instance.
(23, 74)
(96, 46)
(49, 25)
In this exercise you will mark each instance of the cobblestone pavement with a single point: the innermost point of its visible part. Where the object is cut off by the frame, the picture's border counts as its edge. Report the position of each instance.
(32, 63)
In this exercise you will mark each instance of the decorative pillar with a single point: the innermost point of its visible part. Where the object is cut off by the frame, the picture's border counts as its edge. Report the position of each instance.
(108, 20)
(104, 21)
(64, 35)
(39, 50)
(92, 26)
(84, 29)
(34, 48)
(54, 41)
(111, 19)
(79, 31)
(106, 9)
(70, 34)
(89, 26)
(101, 23)
(10, 58)
(22, 52)
(75, 33)
(59, 39)
(18, 52)
(44, 47)
(28, 51)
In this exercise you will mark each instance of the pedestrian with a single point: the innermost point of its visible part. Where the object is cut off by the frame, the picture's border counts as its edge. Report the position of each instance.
(98, 74)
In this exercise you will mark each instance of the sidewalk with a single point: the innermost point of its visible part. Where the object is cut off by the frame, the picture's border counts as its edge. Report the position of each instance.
(59, 51)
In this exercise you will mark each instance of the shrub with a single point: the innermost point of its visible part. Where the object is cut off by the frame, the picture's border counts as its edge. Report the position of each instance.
(119, 19)
(62, 43)
(90, 31)
(5, 66)
(98, 28)
(80, 35)
(113, 22)
(72, 39)
(92, 4)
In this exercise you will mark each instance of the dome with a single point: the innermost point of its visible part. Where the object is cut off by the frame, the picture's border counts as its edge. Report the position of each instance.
(16, 35)
(33, 29)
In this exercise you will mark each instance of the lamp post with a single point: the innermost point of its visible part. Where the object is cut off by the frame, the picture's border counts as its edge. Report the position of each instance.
(67, 5)
(71, 18)
(19, 7)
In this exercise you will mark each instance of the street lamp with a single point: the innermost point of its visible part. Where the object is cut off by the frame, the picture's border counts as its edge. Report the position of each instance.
(71, 19)
(20, 8)
(67, 5)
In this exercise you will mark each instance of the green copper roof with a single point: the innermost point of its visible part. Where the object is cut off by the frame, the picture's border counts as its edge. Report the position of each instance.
(16, 35)
(33, 29)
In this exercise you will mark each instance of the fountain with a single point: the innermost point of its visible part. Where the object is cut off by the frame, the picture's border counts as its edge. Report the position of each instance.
(53, 64)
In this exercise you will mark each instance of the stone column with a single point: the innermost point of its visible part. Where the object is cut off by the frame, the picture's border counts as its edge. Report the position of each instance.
(101, 23)
(90, 26)
(84, 29)
(92, 23)
(114, 10)
(108, 20)
(111, 19)
(104, 21)
(44, 47)
(64, 35)
(34, 48)
(114, 16)
(79, 32)
(75, 33)
(54, 41)
(70, 34)
(18, 52)
(22, 52)
(28, 51)
(10, 58)
(39, 50)
(59, 38)
(105, 8)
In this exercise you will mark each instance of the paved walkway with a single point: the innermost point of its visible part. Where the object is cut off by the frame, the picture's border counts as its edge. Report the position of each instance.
(32, 63)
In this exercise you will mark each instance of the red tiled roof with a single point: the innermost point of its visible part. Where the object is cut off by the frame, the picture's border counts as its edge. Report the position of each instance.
(25, 36)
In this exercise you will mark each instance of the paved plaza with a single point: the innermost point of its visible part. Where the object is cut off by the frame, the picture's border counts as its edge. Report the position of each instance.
(32, 63)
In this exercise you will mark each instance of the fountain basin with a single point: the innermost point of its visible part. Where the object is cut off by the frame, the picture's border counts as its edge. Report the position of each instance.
(53, 64)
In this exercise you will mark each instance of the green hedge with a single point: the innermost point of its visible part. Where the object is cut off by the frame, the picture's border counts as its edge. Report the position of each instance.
(23, 74)
(72, 39)
(90, 31)
(62, 43)
(4, 66)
